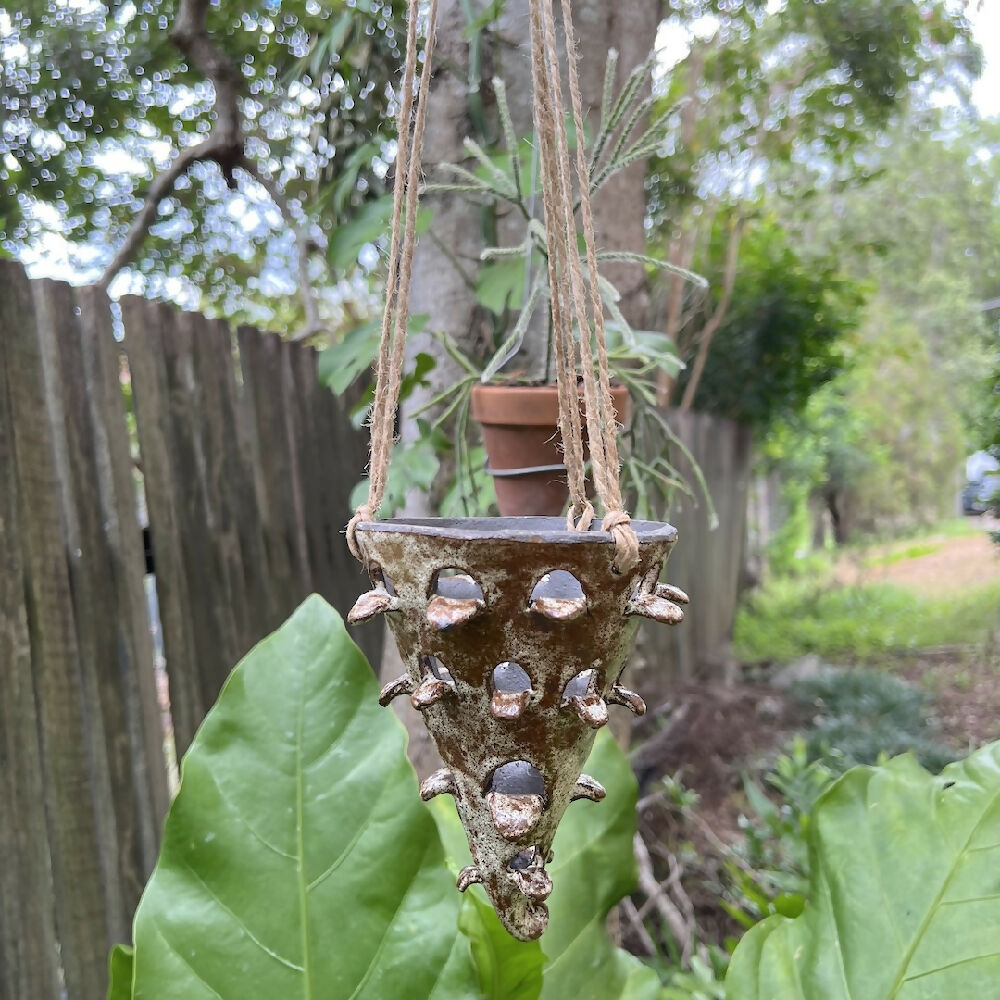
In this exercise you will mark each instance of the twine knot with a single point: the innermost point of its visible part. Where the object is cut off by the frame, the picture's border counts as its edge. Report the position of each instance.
(363, 513)
(619, 525)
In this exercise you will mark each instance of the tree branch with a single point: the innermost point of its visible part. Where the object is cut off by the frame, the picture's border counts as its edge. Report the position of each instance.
(680, 929)
(681, 254)
(715, 321)
(191, 36)
(303, 245)
(638, 927)
(162, 185)
(224, 144)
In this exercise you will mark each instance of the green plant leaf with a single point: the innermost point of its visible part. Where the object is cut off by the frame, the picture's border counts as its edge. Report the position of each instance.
(904, 892)
(120, 973)
(342, 363)
(508, 969)
(298, 860)
(369, 224)
(500, 284)
(593, 867)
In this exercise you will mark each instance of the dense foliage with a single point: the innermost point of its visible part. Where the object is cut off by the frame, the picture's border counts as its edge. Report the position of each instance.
(882, 446)
(784, 335)
(96, 100)
(298, 861)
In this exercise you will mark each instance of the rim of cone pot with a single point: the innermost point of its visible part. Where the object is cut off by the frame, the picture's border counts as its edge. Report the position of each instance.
(526, 529)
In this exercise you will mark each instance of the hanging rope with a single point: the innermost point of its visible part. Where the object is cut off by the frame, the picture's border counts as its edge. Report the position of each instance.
(568, 286)
(566, 280)
(546, 111)
(392, 342)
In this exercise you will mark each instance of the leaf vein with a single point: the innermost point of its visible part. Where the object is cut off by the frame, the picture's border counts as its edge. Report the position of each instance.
(373, 964)
(953, 965)
(187, 962)
(362, 829)
(240, 923)
(935, 905)
(235, 810)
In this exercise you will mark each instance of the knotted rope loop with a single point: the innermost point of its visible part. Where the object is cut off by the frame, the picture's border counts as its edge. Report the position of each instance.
(619, 524)
(363, 513)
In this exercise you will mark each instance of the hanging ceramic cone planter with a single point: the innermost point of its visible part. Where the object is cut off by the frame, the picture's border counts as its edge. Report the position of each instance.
(514, 633)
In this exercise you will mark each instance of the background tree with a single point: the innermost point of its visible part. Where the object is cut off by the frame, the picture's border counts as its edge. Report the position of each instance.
(923, 237)
(762, 89)
(211, 149)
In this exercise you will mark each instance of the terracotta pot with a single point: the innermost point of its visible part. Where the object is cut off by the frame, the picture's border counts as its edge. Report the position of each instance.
(523, 445)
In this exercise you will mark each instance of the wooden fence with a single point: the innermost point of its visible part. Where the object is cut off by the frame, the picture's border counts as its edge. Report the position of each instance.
(707, 561)
(245, 464)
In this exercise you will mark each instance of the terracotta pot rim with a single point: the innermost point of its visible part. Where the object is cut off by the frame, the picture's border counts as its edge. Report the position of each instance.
(530, 405)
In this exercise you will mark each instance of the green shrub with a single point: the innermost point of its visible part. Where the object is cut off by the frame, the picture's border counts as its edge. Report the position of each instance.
(299, 862)
(789, 618)
(770, 868)
(902, 901)
(865, 715)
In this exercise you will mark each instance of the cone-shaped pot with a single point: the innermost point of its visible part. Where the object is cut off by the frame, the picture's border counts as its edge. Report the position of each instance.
(514, 633)
(524, 447)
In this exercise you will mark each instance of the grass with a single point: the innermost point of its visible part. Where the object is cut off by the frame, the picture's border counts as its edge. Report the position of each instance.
(848, 624)
(902, 555)
(954, 527)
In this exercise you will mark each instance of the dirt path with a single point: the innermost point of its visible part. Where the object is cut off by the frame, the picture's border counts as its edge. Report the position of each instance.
(954, 563)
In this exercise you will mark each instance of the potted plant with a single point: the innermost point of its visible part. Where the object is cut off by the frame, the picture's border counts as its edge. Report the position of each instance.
(515, 402)
(517, 408)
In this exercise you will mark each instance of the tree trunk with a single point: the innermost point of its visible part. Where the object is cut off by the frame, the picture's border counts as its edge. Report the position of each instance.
(447, 257)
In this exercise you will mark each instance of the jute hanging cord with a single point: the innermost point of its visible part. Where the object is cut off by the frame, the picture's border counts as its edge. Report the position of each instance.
(570, 301)
(568, 285)
(392, 342)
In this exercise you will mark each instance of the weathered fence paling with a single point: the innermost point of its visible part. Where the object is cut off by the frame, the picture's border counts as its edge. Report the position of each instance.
(242, 456)
(707, 563)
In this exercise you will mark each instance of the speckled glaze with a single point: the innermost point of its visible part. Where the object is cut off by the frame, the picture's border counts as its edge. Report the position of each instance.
(503, 608)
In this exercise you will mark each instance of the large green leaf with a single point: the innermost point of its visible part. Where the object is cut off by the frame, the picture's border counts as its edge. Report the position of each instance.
(298, 860)
(592, 869)
(904, 895)
(120, 973)
(508, 969)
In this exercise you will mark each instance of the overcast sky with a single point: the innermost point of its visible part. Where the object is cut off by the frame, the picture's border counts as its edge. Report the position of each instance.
(986, 24)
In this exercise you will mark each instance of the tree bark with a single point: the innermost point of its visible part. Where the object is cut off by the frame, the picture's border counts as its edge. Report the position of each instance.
(446, 263)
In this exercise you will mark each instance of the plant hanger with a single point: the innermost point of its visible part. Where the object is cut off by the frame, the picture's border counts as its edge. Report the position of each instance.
(514, 631)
